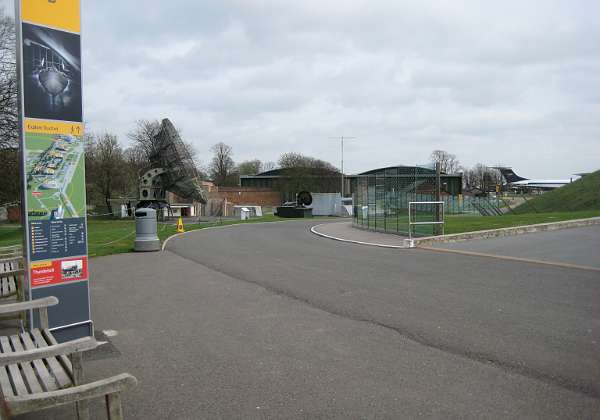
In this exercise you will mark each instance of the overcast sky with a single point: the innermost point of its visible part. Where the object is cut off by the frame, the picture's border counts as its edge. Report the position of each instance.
(513, 83)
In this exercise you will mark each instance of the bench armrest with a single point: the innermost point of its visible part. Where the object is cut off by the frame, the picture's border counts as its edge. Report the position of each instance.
(40, 304)
(35, 402)
(73, 346)
(12, 272)
(11, 247)
(10, 258)
(11, 308)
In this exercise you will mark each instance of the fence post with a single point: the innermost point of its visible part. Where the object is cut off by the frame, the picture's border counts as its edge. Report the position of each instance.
(438, 195)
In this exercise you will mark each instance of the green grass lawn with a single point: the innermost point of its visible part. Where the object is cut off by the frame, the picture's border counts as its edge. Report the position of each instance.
(458, 224)
(10, 234)
(399, 224)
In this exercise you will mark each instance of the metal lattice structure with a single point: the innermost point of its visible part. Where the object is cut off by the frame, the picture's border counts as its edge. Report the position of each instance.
(173, 170)
(382, 199)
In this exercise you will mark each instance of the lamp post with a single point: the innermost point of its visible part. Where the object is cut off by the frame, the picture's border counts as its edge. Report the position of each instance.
(342, 138)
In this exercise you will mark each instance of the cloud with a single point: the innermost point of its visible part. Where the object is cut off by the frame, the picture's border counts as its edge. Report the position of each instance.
(513, 82)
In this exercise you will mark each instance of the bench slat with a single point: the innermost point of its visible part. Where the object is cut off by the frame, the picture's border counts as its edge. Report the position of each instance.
(8, 265)
(26, 368)
(12, 285)
(47, 379)
(64, 359)
(8, 286)
(58, 369)
(7, 388)
(14, 371)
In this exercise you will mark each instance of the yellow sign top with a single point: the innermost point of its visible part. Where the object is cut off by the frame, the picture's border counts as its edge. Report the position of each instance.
(59, 14)
(53, 127)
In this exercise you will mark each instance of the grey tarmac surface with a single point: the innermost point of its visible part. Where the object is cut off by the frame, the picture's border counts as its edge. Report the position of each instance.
(579, 246)
(272, 321)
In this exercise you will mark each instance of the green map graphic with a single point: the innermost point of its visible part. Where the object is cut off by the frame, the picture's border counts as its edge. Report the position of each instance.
(55, 176)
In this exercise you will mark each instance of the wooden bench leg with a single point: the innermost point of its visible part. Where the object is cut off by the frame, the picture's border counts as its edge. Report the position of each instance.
(83, 410)
(114, 410)
(82, 407)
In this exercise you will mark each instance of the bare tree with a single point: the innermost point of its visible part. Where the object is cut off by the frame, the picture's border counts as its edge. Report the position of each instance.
(136, 158)
(9, 175)
(144, 136)
(481, 177)
(297, 160)
(146, 143)
(302, 172)
(9, 130)
(106, 167)
(268, 166)
(250, 167)
(292, 160)
(8, 83)
(449, 164)
(193, 153)
(137, 164)
(222, 167)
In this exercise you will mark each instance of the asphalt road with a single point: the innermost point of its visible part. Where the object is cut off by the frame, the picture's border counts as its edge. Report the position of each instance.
(579, 246)
(537, 322)
(271, 321)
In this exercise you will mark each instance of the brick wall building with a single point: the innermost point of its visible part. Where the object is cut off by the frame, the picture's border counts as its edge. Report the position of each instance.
(222, 199)
(247, 195)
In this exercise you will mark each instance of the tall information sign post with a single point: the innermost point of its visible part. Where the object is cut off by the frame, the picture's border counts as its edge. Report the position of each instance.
(53, 161)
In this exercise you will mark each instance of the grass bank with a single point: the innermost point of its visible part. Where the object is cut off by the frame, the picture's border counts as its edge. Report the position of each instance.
(583, 194)
(459, 224)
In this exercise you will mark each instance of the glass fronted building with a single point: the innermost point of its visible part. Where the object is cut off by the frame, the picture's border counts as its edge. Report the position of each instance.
(382, 197)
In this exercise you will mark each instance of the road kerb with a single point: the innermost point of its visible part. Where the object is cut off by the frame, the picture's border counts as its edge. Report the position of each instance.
(335, 238)
(509, 231)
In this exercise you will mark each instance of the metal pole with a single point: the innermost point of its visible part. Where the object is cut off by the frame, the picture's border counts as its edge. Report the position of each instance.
(342, 162)
(438, 194)
(342, 166)
(409, 223)
(26, 292)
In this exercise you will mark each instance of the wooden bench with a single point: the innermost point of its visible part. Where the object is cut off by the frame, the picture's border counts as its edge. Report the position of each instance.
(11, 252)
(11, 249)
(11, 276)
(8, 263)
(36, 372)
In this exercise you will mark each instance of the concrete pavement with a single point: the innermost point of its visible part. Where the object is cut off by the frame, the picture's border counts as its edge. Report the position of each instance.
(345, 232)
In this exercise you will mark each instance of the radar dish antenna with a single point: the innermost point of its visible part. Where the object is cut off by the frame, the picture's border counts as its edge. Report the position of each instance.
(173, 170)
(304, 199)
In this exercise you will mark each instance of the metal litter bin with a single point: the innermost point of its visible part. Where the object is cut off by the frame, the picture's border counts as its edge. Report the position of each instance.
(146, 238)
